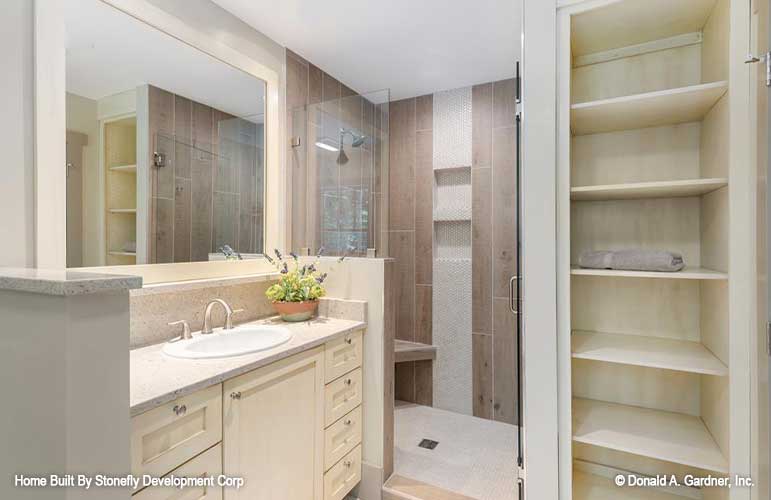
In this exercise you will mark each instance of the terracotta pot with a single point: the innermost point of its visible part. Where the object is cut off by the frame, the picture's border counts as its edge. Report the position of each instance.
(296, 311)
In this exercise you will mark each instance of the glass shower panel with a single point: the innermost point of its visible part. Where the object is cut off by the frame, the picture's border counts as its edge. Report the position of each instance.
(340, 164)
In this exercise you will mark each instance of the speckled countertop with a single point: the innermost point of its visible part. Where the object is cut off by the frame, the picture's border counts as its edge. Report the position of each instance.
(64, 282)
(156, 379)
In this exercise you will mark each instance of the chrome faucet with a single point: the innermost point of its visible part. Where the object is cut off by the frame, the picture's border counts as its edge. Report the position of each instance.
(228, 315)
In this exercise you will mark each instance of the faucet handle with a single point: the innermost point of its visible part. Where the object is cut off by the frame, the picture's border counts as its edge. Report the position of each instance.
(185, 328)
(229, 318)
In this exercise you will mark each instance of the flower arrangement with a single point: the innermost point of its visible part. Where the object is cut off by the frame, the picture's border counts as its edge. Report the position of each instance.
(298, 284)
(296, 294)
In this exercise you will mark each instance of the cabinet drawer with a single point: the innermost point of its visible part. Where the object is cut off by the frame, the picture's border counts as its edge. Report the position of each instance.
(168, 436)
(342, 396)
(341, 478)
(207, 464)
(341, 437)
(342, 355)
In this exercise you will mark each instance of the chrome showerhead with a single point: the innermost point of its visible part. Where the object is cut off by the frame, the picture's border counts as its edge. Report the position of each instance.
(342, 158)
(356, 141)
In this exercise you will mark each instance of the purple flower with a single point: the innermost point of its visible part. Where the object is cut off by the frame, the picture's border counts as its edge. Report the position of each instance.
(293, 255)
(321, 251)
(311, 268)
(269, 258)
(278, 254)
(285, 269)
(321, 278)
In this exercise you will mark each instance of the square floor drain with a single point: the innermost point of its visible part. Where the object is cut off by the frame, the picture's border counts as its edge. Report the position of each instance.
(428, 444)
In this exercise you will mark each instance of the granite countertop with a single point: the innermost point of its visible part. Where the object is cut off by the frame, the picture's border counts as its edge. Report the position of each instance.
(64, 282)
(156, 379)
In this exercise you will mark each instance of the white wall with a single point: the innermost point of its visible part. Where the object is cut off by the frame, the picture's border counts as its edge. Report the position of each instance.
(539, 246)
(81, 117)
(16, 134)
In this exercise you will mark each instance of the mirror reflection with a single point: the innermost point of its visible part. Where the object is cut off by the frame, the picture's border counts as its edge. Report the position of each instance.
(165, 146)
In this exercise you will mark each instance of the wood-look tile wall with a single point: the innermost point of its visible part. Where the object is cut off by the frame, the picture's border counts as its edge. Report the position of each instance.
(209, 193)
(322, 210)
(411, 237)
(494, 370)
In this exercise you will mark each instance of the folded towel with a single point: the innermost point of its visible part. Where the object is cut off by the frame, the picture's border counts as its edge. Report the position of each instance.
(632, 260)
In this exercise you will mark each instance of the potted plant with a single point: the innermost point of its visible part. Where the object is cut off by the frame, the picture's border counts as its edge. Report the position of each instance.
(296, 295)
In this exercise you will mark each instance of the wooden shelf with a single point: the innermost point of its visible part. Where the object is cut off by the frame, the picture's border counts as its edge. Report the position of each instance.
(413, 351)
(122, 210)
(672, 437)
(622, 24)
(593, 487)
(689, 273)
(124, 168)
(652, 109)
(651, 352)
(123, 254)
(640, 190)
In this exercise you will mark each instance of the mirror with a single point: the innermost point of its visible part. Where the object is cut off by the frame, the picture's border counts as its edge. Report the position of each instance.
(165, 146)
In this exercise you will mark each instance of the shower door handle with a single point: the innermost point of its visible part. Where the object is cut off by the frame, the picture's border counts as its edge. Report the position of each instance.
(513, 301)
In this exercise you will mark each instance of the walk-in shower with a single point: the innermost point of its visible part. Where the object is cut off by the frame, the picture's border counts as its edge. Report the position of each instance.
(339, 159)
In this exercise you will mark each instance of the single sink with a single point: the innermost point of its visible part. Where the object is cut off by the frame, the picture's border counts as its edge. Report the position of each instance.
(240, 340)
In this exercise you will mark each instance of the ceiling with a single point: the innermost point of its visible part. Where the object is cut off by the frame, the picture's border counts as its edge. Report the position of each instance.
(109, 52)
(412, 47)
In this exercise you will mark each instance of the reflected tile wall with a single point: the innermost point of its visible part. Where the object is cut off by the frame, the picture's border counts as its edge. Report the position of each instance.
(210, 192)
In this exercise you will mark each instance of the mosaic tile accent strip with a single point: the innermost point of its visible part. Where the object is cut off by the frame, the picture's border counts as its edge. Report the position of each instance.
(452, 128)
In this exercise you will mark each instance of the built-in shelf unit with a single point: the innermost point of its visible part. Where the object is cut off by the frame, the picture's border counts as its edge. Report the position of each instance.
(120, 171)
(645, 161)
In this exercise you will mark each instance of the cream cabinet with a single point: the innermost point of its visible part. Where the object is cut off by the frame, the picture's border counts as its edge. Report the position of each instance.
(168, 436)
(292, 430)
(274, 430)
(206, 465)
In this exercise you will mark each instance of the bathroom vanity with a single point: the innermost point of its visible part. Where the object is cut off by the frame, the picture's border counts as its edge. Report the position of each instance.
(287, 420)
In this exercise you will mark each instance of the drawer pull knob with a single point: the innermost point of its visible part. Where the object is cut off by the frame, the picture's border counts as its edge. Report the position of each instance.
(348, 382)
(347, 463)
(179, 410)
(348, 422)
(349, 341)
(235, 395)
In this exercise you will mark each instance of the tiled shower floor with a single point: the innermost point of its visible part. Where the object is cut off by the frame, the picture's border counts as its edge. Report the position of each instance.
(474, 457)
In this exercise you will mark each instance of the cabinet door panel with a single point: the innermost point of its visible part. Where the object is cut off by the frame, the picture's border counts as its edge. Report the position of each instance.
(168, 436)
(273, 430)
(343, 355)
(341, 478)
(207, 464)
(341, 437)
(343, 395)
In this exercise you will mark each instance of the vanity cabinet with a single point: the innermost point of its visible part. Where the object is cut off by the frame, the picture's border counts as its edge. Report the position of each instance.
(291, 429)
(166, 437)
(274, 429)
(207, 464)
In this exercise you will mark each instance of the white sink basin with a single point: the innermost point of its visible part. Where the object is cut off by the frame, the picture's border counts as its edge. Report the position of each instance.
(224, 343)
